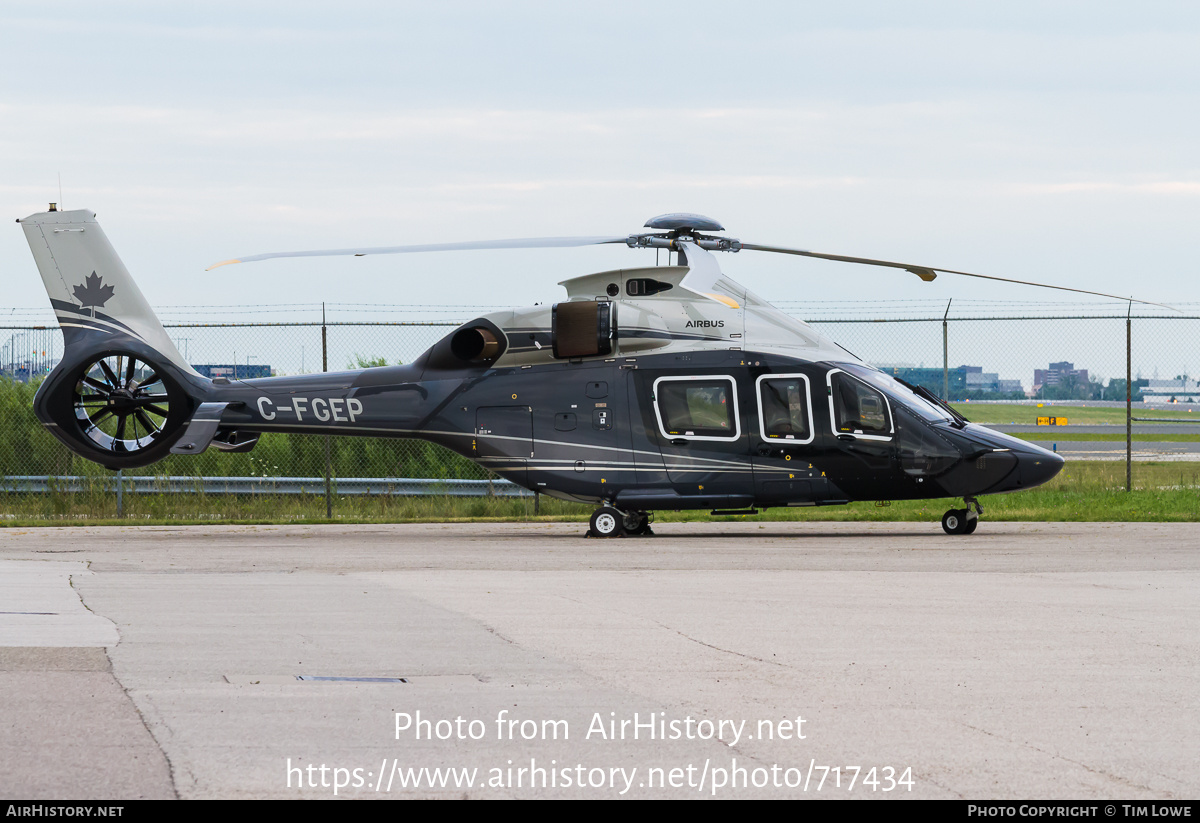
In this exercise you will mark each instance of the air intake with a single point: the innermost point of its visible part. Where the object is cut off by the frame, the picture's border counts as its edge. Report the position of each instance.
(582, 329)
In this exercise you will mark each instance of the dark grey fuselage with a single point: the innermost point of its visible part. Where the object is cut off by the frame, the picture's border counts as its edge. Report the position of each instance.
(587, 430)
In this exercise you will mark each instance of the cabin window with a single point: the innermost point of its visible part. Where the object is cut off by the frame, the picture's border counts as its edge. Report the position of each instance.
(697, 408)
(784, 411)
(923, 450)
(858, 409)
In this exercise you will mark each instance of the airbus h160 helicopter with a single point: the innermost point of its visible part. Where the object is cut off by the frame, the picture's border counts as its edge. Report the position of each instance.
(662, 387)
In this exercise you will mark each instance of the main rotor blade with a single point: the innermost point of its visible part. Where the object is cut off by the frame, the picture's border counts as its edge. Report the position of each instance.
(928, 273)
(519, 243)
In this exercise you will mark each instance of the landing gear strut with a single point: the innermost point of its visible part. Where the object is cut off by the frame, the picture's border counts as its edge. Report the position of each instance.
(608, 521)
(963, 521)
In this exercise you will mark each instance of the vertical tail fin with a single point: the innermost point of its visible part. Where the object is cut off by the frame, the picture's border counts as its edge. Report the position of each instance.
(122, 394)
(89, 287)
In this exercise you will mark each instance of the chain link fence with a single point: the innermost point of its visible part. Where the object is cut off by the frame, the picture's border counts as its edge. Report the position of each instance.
(1021, 368)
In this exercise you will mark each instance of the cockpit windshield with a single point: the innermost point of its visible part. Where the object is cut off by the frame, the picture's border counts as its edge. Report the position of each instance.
(898, 392)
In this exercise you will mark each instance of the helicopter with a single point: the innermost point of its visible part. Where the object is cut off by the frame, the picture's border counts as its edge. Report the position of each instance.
(648, 388)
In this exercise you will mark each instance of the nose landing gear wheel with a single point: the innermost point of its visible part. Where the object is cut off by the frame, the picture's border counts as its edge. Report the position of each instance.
(607, 522)
(960, 521)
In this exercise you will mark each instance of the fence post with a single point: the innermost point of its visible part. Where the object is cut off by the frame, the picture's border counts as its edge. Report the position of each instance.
(1129, 398)
(324, 368)
(946, 352)
(120, 492)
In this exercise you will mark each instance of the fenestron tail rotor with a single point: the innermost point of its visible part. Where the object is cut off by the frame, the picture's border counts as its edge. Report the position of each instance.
(122, 404)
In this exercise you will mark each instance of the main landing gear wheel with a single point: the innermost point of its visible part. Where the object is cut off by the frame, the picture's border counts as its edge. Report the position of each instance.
(607, 522)
(122, 404)
(638, 524)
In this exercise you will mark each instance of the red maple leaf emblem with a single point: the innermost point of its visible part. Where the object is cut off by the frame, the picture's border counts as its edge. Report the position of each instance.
(91, 293)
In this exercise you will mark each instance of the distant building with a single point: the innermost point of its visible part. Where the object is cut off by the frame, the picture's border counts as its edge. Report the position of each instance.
(27, 370)
(1059, 374)
(234, 371)
(24, 372)
(1180, 390)
(931, 379)
(965, 381)
(983, 381)
(29, 353)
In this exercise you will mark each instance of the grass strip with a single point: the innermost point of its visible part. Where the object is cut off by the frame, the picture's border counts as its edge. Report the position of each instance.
(1085, 491)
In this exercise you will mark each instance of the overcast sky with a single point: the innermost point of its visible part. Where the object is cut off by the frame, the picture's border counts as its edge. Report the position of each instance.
(1043, 141)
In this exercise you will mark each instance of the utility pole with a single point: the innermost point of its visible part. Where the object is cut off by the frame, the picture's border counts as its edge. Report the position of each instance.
(325, 367)
(1129, 397)
(946, 352)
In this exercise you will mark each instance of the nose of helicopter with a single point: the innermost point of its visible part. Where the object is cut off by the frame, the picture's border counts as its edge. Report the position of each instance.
(1022, 464)
(1037, 467)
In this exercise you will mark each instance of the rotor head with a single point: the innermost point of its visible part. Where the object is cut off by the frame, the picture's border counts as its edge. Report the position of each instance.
(683, 226)
(684, 221)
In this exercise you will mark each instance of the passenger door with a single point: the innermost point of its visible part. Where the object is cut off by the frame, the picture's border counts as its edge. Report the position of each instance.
(783, 468)
(863, 424)
(699, 422)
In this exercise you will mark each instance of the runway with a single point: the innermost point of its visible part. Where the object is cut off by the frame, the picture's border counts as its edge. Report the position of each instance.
(1143, 449)
(520, 660)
